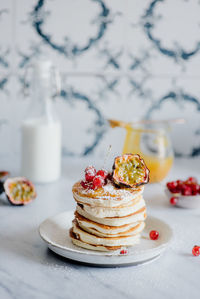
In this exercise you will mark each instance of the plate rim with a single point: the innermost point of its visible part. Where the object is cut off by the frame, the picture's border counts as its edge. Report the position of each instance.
(112, 263)
(161, 247)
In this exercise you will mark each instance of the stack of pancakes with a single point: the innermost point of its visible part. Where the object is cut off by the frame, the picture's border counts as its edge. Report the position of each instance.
(108, 218)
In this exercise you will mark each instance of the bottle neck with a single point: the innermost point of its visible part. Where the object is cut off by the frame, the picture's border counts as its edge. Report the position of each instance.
(42, 102)
(48, 113)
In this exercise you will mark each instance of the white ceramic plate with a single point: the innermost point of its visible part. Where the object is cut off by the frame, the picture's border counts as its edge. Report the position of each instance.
(187, 202)
(55, 231)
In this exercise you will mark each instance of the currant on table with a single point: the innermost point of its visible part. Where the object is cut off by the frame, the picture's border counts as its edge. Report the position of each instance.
(196, 250)
(154, 234)
(173, 201)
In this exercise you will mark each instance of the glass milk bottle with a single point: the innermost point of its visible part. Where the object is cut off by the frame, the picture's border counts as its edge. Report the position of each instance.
(41, 132)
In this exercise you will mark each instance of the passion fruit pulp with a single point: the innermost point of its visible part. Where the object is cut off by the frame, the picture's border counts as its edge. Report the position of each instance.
(19, 191)
(129, 170)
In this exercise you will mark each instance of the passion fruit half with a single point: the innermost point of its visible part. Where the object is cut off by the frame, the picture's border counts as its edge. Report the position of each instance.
(19, 191)
(3, 174)
(130, 171)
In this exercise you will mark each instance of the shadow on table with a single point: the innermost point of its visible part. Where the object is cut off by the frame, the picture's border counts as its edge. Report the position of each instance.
(28, 245)
(4, 201)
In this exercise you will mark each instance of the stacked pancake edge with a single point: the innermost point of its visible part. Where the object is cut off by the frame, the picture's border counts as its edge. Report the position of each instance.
(108, 218)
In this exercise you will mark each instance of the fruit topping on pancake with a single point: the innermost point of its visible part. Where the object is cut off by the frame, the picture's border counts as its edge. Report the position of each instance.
(94, 179)
(110, 211)
(129, 170)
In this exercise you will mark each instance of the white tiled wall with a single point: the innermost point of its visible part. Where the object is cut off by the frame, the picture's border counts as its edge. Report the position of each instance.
(119, 59)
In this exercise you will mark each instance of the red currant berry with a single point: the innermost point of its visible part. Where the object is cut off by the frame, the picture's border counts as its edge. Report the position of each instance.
(168, 185)
(154, 234)
(90, 173)
(186, 190)
(124, 251)
(179, 182)
(195, 189)
(196, 250)
(192, 180)
(85, 185)
(171, 185)
(173, 201)
(102, 173)
(98, 182)
(179, 185)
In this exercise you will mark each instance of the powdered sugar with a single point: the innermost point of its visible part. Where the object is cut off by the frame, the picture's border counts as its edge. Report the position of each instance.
(90, 170)
(109, 190)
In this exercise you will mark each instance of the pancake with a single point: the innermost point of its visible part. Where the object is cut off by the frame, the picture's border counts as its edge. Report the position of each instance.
(95, 230)
(79, 243)
(138, 216)
(104, 241)
(119, 211)
(108, 218)
(107, 196)
(94, 247)
(105, 230)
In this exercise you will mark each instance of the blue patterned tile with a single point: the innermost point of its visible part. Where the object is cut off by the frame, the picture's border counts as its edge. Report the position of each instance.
(124, 60)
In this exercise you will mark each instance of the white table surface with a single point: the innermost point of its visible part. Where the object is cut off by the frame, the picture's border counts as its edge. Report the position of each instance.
(29, 270)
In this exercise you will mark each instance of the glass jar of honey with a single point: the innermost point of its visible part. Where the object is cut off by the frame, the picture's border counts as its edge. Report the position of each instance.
(152, 142)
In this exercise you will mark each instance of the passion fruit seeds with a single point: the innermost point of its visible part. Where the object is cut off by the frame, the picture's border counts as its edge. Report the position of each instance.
(19, 190)
(129, 170)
